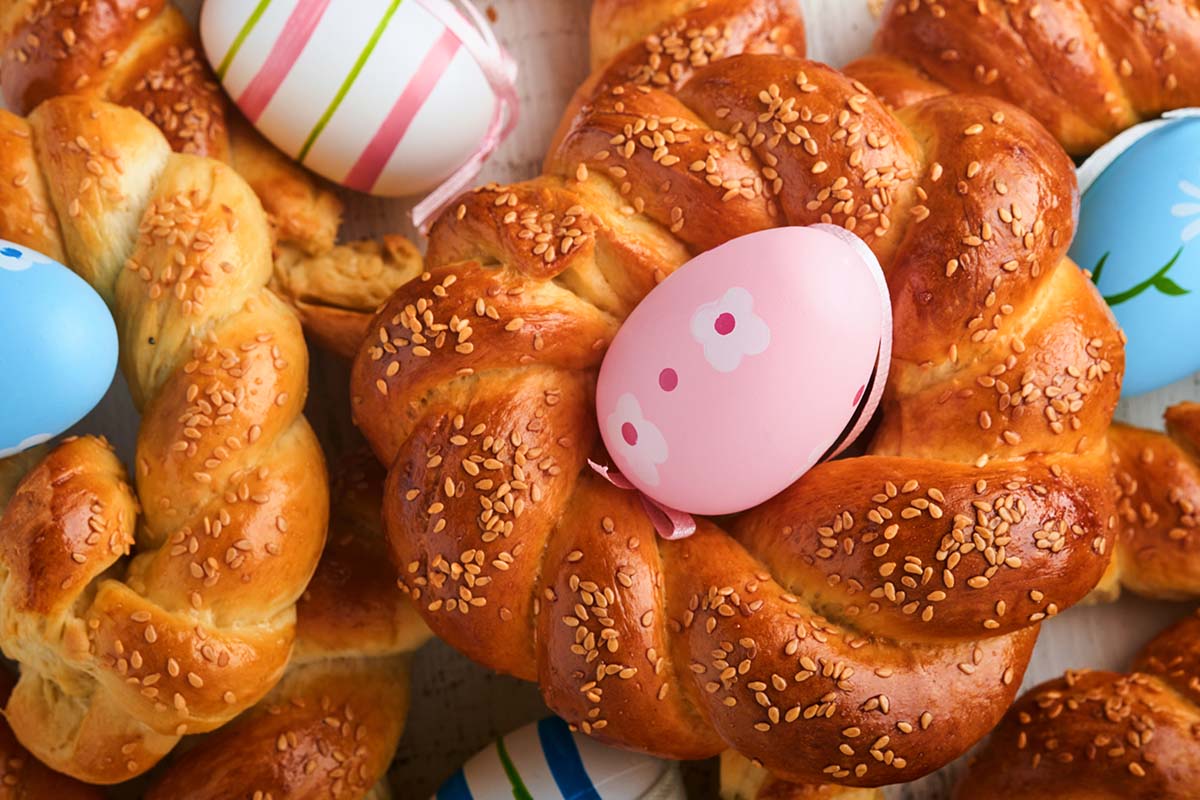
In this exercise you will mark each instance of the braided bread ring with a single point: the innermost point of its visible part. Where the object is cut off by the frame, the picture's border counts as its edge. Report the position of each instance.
(835, 633)
(121, 659)
(330, 727)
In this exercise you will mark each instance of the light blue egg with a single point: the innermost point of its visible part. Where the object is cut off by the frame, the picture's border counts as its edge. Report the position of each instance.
(546, 761)
(1139, 233)
(58, 348)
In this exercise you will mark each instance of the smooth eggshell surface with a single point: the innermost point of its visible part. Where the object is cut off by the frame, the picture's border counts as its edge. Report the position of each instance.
(373, 94)
(741, 370)
(551, 763)
(58, 348)
(1139, 234)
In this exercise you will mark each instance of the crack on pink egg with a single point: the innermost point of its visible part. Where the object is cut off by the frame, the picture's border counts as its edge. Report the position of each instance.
(629, 434)
(668, 380)
(858, 396)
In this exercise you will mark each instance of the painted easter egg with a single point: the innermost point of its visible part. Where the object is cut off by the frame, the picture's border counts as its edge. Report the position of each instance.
(545, 761)
(382, 96)
(1139, 234)
(58, 348)
(745, 367)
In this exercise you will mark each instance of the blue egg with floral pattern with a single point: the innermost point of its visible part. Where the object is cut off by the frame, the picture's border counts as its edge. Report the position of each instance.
(1139, 234)
(58, 348)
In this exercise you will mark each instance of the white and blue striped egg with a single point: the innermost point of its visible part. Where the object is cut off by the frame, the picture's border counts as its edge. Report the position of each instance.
(546, 761)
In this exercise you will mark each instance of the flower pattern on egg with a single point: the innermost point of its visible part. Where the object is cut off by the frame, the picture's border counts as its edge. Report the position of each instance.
(729, 330)
(25, 444)
(14, 259)
(639, 443)
(1188, 210)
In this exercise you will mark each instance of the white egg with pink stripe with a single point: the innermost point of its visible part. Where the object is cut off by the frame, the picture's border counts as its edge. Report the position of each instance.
(390, 97)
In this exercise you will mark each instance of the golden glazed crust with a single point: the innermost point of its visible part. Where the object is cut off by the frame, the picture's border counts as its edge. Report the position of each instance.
(26, 778)
(1087, 69)
(327, 730)
(835, 633)
(1158, 481)
(1102, 735)
(121, 657)
(351, 607)
(143, 54)
(742, 780)
(332, 724)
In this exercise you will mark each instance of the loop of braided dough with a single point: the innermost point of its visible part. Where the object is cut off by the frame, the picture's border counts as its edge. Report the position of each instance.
(331, 726)
(1102, 734)
(837, 633)
(146, 56)
(120, 658)
(1087, 69)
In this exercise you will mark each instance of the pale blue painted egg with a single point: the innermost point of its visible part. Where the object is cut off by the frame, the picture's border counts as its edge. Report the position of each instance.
(1139, 233)
(58, 348)
(546, 761)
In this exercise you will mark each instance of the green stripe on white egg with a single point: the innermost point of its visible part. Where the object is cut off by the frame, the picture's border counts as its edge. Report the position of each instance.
(364, 56)
(343, 84)
(518, 766)
(235, 47)
(485, 771)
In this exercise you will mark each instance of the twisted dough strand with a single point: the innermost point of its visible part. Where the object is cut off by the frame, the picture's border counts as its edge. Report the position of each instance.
(1087, 69)
(26, 777)
(1158, 484)
(330, 727)
(1101, 735)
(119, 659)
(835, 633)
(143, 54)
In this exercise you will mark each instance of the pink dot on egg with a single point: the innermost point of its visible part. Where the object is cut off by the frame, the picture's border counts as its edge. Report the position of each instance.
(629, 434)
(859, 395)
(668, 379)
(725, 324)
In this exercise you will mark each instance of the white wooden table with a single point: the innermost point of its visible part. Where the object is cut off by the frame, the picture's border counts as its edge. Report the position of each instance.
(459, 707)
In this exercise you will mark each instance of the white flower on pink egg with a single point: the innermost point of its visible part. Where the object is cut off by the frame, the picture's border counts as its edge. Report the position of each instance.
(635, 441)
(729, 330)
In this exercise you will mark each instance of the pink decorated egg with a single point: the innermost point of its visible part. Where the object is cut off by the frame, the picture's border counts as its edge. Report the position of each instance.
(746, 367)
